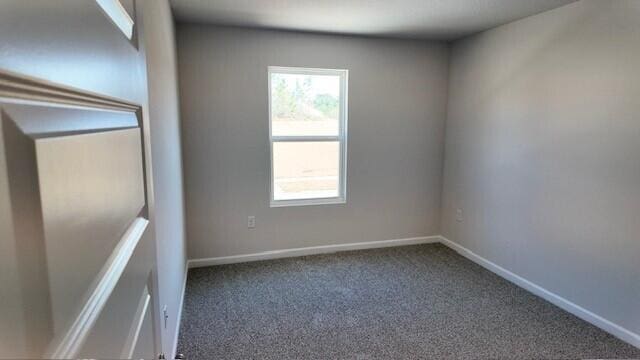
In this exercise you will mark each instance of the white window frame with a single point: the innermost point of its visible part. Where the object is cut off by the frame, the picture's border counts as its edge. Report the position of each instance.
(341, 138)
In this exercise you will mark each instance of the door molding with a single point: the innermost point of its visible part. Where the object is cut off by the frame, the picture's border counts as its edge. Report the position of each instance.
(17, 88)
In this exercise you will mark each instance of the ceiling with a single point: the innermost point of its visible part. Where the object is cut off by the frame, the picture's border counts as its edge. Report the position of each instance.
(426, 19)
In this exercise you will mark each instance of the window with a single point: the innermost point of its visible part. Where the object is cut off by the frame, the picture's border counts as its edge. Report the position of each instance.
(308, 135)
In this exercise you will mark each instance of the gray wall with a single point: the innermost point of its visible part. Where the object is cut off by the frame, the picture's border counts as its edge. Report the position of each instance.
(397, 109)
(542, 153)
(166, 161)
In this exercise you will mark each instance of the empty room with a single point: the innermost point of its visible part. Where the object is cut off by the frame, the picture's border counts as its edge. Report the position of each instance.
(331, 179)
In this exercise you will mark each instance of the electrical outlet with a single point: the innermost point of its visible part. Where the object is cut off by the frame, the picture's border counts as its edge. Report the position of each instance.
(459, 216)
(251, 222)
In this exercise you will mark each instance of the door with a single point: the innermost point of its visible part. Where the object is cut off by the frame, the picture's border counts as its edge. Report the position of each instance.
(77, 253)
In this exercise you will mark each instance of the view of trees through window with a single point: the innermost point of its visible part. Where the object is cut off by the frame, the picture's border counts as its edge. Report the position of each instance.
(305, 106)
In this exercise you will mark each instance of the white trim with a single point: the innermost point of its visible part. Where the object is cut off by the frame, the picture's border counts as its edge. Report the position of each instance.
(70, 343)
(341, 138)
(174, 350)
(118, 15)
(586, 315)
(305, 70)
(310, 138)
(312, 250)
(306, 202)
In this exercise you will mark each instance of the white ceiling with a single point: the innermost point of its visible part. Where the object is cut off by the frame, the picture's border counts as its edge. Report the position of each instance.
(430, 19)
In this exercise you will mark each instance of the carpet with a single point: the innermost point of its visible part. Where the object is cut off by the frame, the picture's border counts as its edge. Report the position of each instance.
(410, 302)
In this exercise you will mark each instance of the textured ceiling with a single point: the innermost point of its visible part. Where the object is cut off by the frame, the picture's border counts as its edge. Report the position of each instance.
(429, 19)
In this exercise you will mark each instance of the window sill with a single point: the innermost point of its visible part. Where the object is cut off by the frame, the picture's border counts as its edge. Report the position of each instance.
(307, 202)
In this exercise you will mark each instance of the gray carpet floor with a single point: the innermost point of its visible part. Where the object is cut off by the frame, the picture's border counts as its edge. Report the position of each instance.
(411, 302)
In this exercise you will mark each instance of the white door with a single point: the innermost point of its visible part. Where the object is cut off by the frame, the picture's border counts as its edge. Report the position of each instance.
(77, 254)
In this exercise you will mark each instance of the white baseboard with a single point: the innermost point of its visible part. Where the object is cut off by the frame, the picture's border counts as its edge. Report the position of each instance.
(586, 315)
(174, 349)
(312, 250)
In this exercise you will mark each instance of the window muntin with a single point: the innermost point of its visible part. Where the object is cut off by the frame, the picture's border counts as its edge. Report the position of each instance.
(307, 117)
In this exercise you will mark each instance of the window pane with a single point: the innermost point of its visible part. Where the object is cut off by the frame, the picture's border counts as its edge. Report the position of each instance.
(305, 170)
(304, 104)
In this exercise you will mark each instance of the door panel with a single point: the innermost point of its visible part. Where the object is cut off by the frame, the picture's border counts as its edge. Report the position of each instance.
(77, 206)
(138, 340)
(110, 338)
(77, 254)
(91, 188)
(24, 277)
(145, 341)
